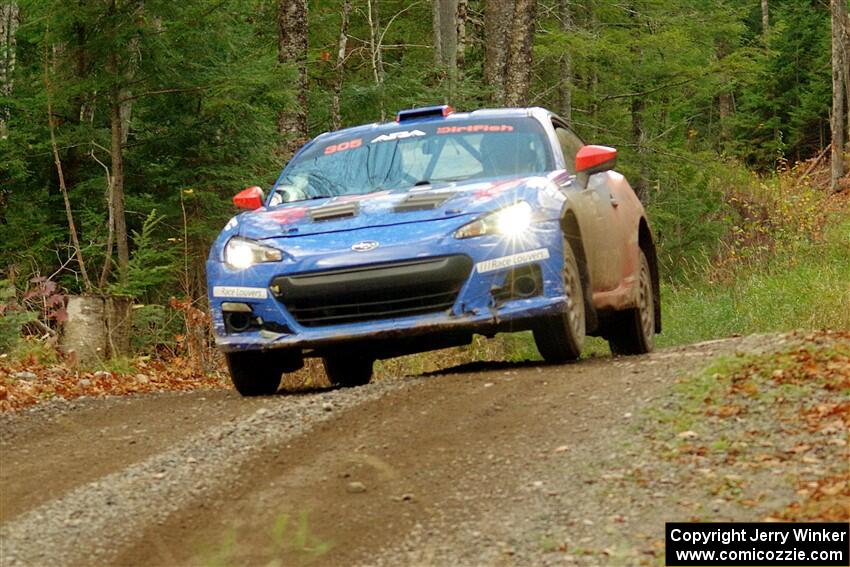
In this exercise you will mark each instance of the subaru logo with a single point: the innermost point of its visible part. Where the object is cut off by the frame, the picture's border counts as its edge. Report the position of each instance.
(365, 246)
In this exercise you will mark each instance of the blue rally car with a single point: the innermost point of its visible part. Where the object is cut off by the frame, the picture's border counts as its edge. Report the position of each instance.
(388, 239)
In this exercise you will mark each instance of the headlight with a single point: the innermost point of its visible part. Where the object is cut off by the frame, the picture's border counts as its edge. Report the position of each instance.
(241, 253)
(510, 221)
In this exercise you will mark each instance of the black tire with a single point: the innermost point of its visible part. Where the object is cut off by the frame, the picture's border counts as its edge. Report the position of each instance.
(560, 338)
(633, 330)
(256, 373)
(348, 371)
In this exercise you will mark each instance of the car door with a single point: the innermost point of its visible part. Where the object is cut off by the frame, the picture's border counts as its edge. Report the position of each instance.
(597, 215)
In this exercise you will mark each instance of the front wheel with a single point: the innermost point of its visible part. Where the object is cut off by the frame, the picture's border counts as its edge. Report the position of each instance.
(348, 371)
(257, 373)
(633, 330)
(560, 338)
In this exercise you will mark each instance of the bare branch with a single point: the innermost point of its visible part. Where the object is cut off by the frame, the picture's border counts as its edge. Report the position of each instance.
(62, 187)
(649, 91)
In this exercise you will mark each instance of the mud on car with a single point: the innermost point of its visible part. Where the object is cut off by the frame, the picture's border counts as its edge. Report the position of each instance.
(394, 238)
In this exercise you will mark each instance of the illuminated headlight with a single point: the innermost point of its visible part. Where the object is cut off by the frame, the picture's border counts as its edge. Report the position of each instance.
(510, 221)
(241, 253)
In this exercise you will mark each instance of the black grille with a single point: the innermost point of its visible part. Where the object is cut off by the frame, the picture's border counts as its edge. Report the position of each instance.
(381, 291)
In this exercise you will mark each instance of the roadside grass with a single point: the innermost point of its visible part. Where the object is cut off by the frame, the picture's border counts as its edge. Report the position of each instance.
(806, 287)
(288, 540)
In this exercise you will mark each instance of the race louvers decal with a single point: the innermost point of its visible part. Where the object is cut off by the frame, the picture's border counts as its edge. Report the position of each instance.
(512, 260)
(240, 292)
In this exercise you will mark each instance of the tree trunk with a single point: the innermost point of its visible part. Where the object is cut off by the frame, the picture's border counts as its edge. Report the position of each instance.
(336, 120)
(438, 38)
(726, 109)
(117, 188)
(765, 18)
(639, 135)
(565, 93)
(839, 11)
(460, 55)
(518, 69)
(497, 19)
(126, 95)
(594, 94)
(846, 74)
(725, 101)
(97, 328)
(84, 336)
(375, 51)
(8, 51)
(445, 31)
(292, 50)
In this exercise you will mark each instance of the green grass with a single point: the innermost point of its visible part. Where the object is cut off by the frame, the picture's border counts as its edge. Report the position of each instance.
(808, 288)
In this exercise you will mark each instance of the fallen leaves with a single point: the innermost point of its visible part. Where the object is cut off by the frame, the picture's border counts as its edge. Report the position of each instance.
(27, 382)
(757, 423)
(826, 500)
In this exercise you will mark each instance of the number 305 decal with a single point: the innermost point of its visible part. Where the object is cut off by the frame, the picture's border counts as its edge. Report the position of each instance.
(342, 146)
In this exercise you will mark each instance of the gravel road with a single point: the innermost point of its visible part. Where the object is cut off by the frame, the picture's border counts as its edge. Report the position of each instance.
(491, 464)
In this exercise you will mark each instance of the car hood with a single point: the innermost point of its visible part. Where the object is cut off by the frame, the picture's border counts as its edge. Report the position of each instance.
(387, 208)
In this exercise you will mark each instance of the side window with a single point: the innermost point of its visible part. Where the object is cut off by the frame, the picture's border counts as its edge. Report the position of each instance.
(570, 145)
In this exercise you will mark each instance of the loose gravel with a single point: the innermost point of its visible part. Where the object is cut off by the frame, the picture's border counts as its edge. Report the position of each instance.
(90, 523)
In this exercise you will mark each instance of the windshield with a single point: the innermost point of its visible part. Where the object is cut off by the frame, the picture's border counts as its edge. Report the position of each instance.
(419, 154)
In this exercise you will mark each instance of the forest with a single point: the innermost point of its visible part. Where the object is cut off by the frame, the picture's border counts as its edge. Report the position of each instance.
(126, 126)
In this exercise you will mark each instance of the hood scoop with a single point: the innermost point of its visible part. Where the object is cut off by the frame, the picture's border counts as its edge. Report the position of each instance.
(423, 201)
(334, 211)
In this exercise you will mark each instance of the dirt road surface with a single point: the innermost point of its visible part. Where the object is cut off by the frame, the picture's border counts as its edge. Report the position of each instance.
(493, 464)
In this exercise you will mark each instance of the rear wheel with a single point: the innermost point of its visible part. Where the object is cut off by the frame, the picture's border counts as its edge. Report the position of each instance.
(560, 338)
(257, 373)
(633, 331)
(348, 371)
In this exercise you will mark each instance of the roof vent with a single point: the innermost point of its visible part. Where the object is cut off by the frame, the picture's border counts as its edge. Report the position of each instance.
(440, 111)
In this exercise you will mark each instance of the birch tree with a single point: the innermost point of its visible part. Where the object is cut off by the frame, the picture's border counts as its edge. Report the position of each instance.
(375, 50)
(8, 51)
(342, 45)
(765, 18)
(840, 62)
(565, 98)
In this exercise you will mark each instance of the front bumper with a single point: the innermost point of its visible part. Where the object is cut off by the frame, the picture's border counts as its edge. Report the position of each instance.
(478, 307)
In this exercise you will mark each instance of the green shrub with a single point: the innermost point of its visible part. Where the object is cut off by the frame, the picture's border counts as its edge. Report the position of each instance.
(155, 328)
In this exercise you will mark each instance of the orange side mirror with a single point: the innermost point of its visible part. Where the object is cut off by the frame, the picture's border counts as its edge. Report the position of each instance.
(593, 159)
(250, 198)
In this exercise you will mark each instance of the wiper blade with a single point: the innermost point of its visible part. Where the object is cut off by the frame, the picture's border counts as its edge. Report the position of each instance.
(311, 198)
